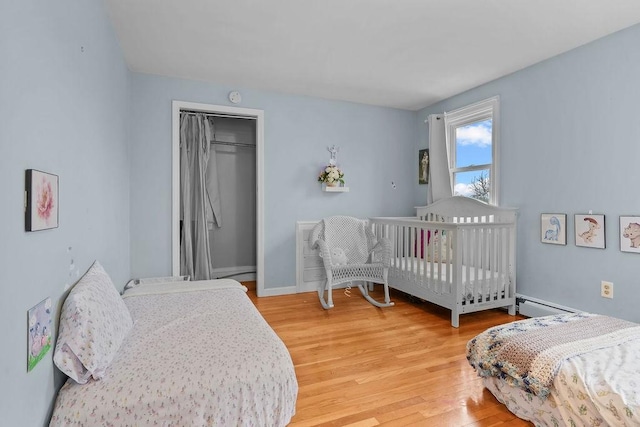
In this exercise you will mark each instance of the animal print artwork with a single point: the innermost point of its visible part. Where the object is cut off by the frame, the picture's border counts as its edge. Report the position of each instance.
(630, 234)
(590, 231)
(554, 228)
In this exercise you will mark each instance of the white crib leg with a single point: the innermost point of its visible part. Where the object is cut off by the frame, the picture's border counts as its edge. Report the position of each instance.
(455, 317)
(512, 309)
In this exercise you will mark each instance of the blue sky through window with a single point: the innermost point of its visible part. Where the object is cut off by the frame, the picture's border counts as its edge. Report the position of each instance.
(473, 147)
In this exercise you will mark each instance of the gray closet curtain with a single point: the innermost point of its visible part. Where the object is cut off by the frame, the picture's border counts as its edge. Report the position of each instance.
(199, 195)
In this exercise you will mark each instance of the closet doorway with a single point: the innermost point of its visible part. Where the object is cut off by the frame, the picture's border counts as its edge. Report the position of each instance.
(233, 123)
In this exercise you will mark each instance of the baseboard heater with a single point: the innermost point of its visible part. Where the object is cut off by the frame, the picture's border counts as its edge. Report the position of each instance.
(532, 307)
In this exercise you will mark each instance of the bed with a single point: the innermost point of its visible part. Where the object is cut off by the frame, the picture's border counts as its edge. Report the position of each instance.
(566, 369)
(458, 253)
(195, 353)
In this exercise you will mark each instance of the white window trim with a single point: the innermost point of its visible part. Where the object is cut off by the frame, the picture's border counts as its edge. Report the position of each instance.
(486, 109)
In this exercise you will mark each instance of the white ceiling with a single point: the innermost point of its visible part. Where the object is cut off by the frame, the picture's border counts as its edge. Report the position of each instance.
(398, 53)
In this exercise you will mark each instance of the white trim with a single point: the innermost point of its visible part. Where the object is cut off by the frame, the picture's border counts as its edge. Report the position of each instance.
(272, 292)
(258, 115)
(488, 108)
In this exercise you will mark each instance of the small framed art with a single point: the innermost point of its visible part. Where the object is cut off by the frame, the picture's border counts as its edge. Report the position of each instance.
(423, 166)
(39, 338)
(590, 231)
(41, 207)
(553, 228)
(630, 234)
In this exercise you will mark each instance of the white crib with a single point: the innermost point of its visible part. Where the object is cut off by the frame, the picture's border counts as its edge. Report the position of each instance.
(458, 253)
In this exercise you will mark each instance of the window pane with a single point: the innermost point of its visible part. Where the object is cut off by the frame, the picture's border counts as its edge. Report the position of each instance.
(475, 184)
(473, 144)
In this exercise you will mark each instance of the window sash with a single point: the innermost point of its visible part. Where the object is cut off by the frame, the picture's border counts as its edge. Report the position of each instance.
(483, 110)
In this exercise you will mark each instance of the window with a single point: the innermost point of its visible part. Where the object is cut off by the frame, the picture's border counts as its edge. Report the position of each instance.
(472, 139)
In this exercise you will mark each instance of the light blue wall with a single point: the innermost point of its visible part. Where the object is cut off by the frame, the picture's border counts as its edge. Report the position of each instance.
(377, 146)
(570, 143)
(570, 136)
(63, 111)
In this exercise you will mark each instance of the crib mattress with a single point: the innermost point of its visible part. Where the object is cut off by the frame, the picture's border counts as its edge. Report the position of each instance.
(489, 283)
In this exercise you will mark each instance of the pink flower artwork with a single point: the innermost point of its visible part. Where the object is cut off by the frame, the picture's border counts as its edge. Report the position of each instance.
(44, 202)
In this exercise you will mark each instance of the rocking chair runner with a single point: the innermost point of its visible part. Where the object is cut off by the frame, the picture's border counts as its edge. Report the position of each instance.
(350, 252)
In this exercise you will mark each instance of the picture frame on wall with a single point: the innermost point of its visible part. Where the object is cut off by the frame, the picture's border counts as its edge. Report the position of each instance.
(553, 228)
(423, 166)
(630, 233)
(590, 230)
(40, 328)
(41, 207)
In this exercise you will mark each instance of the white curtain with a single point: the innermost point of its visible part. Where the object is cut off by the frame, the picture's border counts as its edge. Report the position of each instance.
(440, 178)
(199, 195)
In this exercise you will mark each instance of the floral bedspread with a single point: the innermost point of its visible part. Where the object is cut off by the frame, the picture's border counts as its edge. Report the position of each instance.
(198, 358)
(528, 353)
(600, 387)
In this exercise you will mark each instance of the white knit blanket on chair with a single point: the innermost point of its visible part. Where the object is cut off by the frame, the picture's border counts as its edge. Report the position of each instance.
(349, 234)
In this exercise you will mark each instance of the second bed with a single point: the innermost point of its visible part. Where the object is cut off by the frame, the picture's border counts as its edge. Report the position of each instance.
(199, 353)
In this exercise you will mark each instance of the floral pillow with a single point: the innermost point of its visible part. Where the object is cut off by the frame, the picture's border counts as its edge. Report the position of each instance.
(93, 323)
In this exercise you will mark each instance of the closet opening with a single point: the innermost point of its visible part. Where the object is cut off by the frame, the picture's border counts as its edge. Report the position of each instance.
(234, 196)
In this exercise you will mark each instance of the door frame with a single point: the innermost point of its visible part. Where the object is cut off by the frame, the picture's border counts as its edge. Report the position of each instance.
(258, 115)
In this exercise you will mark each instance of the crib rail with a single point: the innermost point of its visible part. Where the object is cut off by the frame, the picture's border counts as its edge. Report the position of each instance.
(464, 265)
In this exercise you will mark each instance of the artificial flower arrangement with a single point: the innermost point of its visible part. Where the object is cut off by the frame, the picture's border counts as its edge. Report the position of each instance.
(331, 175)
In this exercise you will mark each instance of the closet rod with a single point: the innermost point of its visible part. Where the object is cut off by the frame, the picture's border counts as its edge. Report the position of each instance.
(207, 114)
(236, 144)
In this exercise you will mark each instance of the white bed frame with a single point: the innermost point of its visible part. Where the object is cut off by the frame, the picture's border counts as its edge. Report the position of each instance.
(482, 240)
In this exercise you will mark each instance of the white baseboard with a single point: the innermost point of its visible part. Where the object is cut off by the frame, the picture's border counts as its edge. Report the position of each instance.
(288, 290)
(272, 292)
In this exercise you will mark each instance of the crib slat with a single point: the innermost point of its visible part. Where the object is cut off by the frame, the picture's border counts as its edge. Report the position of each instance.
(451, 246)
(422, 257)
(502, 271)
(407, 257)
(486, 282)
(496, 277)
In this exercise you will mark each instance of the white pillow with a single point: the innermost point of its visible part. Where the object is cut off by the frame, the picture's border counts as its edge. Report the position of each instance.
(93, 323)
(437, 252)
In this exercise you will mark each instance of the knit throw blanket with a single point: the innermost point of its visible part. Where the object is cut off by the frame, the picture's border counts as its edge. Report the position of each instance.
(348, 234)
(528, 353)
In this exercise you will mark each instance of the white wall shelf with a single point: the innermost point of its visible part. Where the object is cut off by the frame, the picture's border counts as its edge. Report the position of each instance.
(335, 189)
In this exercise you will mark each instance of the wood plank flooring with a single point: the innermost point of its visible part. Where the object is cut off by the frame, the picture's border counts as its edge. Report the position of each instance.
(362, 366)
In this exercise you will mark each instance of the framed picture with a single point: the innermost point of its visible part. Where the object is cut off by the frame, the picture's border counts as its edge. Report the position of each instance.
(423, 166)
(553, 228)
(590, 231)
(630, 234)
(41, 210)
(39, 339)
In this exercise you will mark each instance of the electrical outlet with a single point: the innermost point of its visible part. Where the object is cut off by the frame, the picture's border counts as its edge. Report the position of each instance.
(606, 289)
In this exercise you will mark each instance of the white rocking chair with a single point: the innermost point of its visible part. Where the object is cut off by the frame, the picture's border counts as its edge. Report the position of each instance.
(350, 252)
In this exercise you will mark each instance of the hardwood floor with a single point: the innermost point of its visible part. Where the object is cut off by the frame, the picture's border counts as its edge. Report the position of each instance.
(358, 365)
